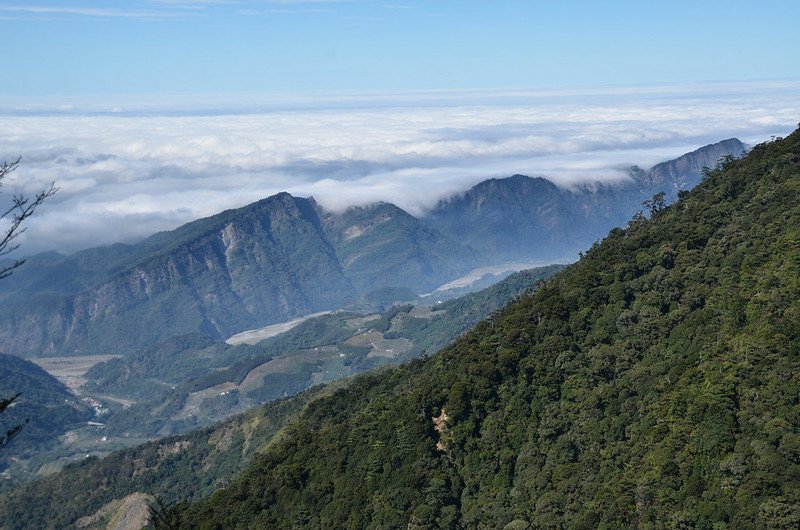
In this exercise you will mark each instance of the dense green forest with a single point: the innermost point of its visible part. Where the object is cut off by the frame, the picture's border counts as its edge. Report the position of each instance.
(192, 466)
(44, 406)
(653, 384)
(176, 467)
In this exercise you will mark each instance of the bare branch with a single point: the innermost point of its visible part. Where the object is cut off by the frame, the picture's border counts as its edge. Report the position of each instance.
(8, 167)
(20, 209)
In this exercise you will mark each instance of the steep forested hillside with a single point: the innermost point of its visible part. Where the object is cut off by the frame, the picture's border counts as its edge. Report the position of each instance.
(45, 406)
(654, 383)
(190, 381)
(177, 467)
(193, 465)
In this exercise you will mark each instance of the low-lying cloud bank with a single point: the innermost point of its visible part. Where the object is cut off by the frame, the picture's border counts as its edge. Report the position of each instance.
(126, 172)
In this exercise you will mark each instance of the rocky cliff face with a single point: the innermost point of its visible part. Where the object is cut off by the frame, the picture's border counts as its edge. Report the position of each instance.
(685, 172)
(531, 218)
(381, 241)
(283, 257)
(267, 262)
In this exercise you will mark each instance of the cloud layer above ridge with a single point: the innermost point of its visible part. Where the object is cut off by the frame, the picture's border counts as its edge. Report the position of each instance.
(125, 173)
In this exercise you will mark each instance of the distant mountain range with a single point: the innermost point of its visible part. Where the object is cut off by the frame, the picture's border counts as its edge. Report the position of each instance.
(652, 383)
(284, 257)
(531, 218)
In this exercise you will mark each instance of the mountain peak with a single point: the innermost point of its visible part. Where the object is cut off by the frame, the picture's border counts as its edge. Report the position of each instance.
(651, 381)
(514, 188)
(685, 171)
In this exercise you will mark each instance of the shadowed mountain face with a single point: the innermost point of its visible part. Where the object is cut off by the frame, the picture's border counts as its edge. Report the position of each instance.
(531, 218)
(505, 216)
(45, 407)
(268, 262)
(684, 172)
(284, 257)
(229, 272)
(383, 245)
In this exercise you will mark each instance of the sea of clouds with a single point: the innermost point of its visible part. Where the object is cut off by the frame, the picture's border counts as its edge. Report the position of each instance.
(127, 169)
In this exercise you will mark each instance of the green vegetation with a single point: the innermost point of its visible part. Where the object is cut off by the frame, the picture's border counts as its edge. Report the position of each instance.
(173, 468)
(11, 430)
(461, 314)
(173, 477)
(653, 384)
(44, 405)
(166, 378)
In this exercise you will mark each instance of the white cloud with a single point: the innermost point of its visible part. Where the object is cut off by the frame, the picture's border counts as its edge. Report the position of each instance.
(127, 172)
(80, 11)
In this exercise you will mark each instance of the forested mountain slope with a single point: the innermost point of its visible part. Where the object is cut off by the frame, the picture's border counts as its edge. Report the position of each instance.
(177, 467)
(191, 466)
(654, 383)
(45, 407)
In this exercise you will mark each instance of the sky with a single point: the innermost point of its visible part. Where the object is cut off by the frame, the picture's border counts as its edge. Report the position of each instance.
(148, 114)
(85, 47)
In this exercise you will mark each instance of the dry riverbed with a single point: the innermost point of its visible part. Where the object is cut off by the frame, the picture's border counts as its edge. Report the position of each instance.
(71, 370)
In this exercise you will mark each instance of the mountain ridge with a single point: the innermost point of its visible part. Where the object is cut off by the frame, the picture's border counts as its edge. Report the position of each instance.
(200, 277)
(652, 383)
(502, 216)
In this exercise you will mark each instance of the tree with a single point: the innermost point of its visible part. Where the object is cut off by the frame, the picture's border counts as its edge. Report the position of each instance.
(657, 204)
(15, 214)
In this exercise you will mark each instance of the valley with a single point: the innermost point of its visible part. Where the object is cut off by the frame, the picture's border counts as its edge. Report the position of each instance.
(567, 373)
(366, 265)
(489, 273)
(71, 370)
(195, 378)
(653, 381)
(253, 336)
(139, 399)
(303, 259)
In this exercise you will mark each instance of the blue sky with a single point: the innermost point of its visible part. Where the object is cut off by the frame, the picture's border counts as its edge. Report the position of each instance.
(148, 114)
(208, 47)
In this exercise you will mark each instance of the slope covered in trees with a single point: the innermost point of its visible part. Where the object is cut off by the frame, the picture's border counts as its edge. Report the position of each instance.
(189, 381)
(45, 407)
(177, 467)
(193, 465)
(654, 383)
